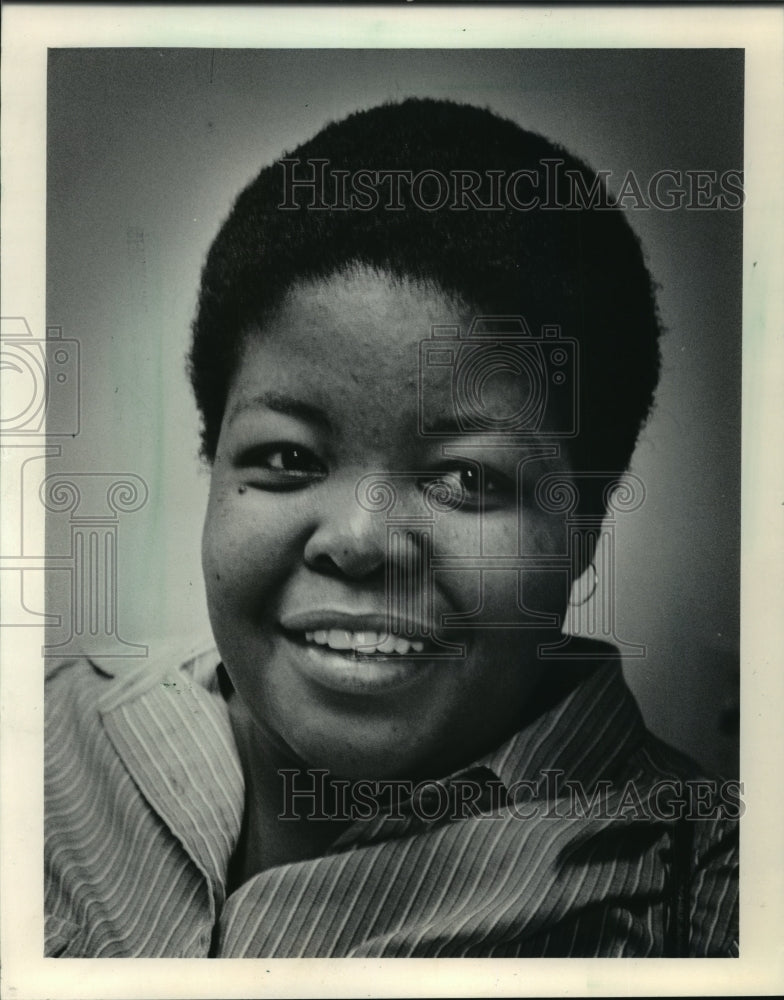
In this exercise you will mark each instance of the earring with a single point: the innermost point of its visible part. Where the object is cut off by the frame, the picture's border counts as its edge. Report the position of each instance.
(577, 604)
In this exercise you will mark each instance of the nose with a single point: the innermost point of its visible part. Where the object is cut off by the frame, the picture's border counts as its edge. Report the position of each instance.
(347, 539)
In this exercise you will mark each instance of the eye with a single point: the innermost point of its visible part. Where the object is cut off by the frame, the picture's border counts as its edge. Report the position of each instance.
(460, 487)
(462, 481)
(281, 466)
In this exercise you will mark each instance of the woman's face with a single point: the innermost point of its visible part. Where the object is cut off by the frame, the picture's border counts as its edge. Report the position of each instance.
(337, 619)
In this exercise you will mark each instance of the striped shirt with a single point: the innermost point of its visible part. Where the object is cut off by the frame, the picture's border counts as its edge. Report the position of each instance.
(570, 844)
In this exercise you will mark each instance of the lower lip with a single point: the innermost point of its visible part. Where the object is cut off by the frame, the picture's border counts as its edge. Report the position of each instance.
(358, 674)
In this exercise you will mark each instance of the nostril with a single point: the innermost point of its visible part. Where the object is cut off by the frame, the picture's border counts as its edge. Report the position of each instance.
(361, 562)
(347, 542)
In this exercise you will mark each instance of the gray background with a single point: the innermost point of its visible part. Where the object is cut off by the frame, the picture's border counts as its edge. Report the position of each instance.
(146, 151)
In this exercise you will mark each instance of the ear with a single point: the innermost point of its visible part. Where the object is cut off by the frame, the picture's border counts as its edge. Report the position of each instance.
(583, 545)
(583, 586)
(583, 572)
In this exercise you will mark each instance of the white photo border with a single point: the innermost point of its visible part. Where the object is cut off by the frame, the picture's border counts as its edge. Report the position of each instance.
(28, 31)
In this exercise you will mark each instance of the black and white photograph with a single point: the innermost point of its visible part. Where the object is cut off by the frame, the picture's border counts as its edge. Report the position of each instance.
(383, 453)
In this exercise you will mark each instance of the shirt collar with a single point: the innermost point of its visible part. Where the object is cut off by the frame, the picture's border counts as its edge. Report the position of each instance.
(169, 724)
(586, 735)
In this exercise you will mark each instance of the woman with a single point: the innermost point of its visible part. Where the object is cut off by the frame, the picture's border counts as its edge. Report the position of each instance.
(422, 355)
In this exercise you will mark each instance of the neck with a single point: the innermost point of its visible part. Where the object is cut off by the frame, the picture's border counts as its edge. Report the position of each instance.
(278, 827)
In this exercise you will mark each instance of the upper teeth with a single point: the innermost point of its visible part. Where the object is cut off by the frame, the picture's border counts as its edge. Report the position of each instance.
(368, 642)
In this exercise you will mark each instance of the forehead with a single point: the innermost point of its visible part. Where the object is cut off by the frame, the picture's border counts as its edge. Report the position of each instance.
(352, 347)
(352, 332)
(362, 310)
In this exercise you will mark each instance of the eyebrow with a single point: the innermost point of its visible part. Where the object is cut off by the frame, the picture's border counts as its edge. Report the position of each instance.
(281, 403)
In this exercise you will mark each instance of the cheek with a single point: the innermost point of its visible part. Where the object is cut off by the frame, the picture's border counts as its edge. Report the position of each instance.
(496, 593)
(500, 534)
(244, 554)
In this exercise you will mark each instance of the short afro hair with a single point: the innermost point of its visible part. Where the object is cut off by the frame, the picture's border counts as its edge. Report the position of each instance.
(580, 267)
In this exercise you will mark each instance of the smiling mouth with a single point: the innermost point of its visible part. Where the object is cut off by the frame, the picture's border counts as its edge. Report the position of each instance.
(363, 645)
(359, 654)
(366, 643)
(353, 636)
(353, 668)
